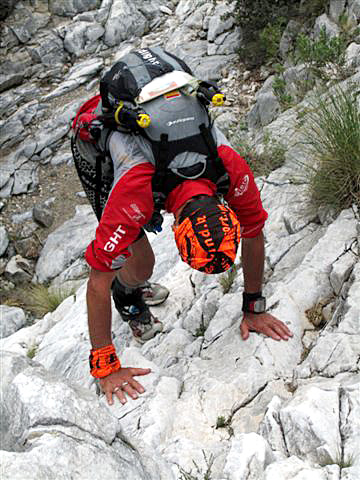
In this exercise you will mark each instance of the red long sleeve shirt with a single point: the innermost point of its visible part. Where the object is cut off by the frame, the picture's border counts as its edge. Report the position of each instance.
(130, 202)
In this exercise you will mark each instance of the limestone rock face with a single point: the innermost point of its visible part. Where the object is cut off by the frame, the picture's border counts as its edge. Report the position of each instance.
(69, 8)
(124, 21)
(86, 441)
(66, 244)
(11, 319)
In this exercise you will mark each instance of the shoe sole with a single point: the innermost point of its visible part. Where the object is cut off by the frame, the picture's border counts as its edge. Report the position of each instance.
(154, 303)
(144, 340)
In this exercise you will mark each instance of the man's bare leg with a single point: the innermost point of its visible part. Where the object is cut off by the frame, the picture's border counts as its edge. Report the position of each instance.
(139, 267)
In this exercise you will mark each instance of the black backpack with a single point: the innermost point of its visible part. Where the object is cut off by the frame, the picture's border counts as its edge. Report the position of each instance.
(174, 120)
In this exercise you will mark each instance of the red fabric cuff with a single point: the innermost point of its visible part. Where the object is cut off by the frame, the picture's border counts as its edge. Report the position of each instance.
(103, 361)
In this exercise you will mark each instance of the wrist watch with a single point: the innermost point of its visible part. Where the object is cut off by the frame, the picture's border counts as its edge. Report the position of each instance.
(254, 302)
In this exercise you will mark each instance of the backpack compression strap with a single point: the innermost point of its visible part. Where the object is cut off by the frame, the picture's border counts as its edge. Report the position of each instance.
(164, 180)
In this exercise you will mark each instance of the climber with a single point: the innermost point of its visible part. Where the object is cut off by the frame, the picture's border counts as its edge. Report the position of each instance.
(191, 171)
(118, 253)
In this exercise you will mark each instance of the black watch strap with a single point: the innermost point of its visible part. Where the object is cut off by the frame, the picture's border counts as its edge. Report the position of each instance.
(254, 302)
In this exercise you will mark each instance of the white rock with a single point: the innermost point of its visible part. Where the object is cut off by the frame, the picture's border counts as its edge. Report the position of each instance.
(311, 423)
(4, 240)
(350, 419)
(336, 9)
(350, 322)
(352, 55)
(18, 269)
(166, 10)
(295, 469)
(249, 456)
(333, 353)
(330, 27)
(340, 271)
(86, 69)
(66, 244)
(271, 428)
(11, 319)
(220, 21)
(124, 21)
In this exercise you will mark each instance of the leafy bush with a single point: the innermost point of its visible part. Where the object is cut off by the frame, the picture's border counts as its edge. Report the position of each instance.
(332, 134)
(270, 37)
(227, 279)
(254, 15)
(262, 23)
(279, 88)
(324, 56)
(262, 164)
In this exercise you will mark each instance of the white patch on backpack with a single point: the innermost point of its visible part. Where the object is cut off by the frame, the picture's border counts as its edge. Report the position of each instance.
(117, 75)
(180, 120)
(243, 187)
(148, 56)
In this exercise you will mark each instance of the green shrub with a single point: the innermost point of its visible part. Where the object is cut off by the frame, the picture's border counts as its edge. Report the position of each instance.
(272, 158)
(279, 88)
(43, 299)
(332, 135)
(227, 279)
(270, 37)
(222, 422)
(324, 56)
(262, 23)
(339, 459)
(254, 15)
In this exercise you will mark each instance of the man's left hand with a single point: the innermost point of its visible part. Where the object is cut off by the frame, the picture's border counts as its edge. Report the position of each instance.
(264, 323)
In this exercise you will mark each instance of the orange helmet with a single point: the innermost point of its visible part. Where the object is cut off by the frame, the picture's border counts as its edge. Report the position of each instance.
(208, 235)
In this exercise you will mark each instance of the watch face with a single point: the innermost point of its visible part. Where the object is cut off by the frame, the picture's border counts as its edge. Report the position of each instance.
(259, 305)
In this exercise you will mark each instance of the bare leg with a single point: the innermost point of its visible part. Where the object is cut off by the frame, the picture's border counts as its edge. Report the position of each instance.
(139, 267)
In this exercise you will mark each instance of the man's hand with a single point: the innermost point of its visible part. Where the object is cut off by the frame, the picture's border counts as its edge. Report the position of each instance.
(266, 324)
(122, 382)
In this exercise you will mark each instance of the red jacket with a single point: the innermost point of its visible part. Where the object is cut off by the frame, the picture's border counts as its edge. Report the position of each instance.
(130, 203)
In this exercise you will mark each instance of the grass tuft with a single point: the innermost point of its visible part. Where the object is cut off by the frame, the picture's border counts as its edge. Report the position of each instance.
(339, 459)
(206, 475)
(39, 299)
(32, 351)
(227, 279)
(223, 422)
(332, 134)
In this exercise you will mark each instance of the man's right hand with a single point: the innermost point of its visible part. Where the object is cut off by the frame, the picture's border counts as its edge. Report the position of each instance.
(122, 382)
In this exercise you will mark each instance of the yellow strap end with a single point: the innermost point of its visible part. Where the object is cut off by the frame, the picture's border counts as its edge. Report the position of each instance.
(143, 120)
(218, 99)
(117, 112)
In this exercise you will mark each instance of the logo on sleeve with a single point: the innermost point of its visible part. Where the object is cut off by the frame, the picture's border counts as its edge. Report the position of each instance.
(243, 187)
(136, 215)
(117, 235)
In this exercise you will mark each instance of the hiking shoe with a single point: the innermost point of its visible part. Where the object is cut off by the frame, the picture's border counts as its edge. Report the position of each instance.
(135, 312)
(154, 293)
(144, 325)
